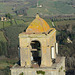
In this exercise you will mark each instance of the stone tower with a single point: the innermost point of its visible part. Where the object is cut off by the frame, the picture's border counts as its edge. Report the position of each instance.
(39, 50)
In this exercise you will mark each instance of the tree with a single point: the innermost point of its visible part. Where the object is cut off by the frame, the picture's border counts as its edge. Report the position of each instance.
(21, 73)
(22, 11)
(8, 15)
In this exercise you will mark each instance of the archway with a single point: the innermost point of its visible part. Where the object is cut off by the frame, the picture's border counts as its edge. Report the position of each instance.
(35, 52)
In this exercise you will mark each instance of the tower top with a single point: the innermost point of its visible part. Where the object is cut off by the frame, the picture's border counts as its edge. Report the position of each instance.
(38, 25)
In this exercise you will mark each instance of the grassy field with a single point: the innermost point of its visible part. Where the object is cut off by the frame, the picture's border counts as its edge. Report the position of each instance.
(6, 24)
(6, 8)
(2, 38)
(49, 22)
(68, 22)
(50, 7)
(7, 62)
(10, 7)
(17, 21)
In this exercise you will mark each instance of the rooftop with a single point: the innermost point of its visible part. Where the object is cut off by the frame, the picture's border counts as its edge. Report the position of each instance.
(38, 25)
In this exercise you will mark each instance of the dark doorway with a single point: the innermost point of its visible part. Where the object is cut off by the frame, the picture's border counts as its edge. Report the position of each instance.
(36, 52)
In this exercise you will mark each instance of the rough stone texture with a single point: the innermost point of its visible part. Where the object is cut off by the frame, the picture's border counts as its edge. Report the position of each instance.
(46, 41)
(57, 68)
(41, 34)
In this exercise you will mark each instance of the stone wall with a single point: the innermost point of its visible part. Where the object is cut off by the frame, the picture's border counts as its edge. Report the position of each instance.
(56, 69)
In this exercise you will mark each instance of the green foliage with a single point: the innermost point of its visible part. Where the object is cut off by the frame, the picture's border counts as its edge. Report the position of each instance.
(62, 37)
(64, 70)
(8, 15)
(64, 22)
(3, 44)
(6, 70)
(8, 6)
(2, 38)
(66, 29)
(60, 68)
(12, 32)
(6, 64)
(40, 72)
(19, 22)
(21, 73)
(4, 24)
(22, 11)
(48, 20)
(50, 7)
(3, 48)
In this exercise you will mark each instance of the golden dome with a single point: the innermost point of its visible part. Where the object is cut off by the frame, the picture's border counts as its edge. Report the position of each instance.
(38, 25)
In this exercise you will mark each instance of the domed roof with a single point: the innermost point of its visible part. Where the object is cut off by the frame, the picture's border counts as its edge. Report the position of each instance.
(38, 25)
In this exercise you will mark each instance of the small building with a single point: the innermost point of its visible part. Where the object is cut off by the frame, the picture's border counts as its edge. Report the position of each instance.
(3, 19)
(39, 51)
(69, 40)
(39, 6)
(20, 15)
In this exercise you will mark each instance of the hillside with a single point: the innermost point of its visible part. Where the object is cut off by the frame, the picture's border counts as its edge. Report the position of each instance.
(49, 7)
(3, 44)
(53, 12)
(65, 27)
(52, 7)
(2, 38)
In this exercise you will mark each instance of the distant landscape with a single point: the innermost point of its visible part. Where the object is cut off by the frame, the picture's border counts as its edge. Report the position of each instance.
(59, 14)
(29, 7)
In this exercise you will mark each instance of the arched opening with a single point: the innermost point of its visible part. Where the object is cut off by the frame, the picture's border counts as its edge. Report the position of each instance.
(35, 52)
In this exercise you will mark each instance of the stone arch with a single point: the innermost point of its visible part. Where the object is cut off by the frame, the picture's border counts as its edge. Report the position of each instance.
(36, 53)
